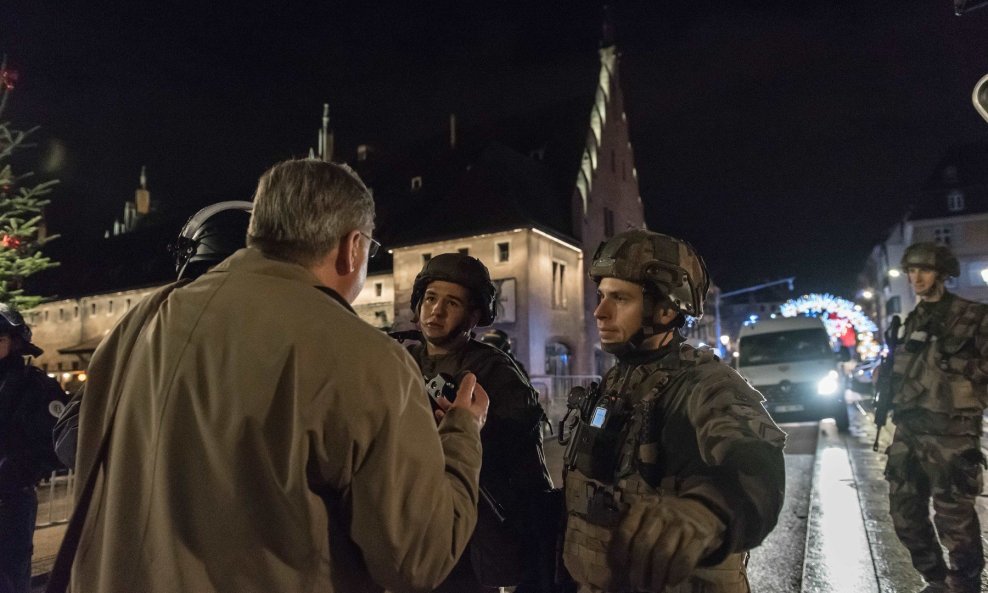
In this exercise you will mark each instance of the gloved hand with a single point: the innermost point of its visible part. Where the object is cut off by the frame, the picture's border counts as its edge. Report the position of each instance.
(661, 542)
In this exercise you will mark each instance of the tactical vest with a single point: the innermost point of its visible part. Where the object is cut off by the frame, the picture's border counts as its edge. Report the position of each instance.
(925, 375)
(614, 460)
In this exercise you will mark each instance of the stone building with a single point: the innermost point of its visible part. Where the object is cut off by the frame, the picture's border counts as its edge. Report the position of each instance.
(531, 196)
(952, 211)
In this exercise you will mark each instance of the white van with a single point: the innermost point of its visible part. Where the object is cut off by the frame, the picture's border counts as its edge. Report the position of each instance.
(792, 362)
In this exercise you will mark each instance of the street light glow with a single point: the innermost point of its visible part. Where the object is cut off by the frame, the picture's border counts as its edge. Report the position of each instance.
(984, 275)
(867, 294)
(893, 273)
(726, 339)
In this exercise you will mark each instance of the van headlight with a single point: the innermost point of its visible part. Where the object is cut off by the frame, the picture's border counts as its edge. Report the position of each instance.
(829, 384)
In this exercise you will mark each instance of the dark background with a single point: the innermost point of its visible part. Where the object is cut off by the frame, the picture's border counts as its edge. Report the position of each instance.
(781, 138)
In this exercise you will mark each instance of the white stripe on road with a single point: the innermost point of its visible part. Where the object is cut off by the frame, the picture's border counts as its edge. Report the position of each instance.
(838, 557)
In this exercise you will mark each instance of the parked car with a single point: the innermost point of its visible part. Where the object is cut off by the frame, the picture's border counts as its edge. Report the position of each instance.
(793, 363)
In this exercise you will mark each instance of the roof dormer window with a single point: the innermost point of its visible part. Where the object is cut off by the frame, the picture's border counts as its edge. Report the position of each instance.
(955, 201)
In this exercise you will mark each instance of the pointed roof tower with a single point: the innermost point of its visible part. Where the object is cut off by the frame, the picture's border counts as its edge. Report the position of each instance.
(325, 136)
(142, 197)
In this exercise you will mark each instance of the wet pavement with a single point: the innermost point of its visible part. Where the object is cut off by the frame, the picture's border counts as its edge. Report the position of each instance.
(850, 545)
(777, 564)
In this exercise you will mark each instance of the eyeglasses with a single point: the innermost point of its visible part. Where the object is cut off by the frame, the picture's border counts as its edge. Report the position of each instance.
(375, 245)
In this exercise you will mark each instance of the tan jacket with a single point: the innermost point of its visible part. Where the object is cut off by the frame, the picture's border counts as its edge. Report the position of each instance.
(269, 440)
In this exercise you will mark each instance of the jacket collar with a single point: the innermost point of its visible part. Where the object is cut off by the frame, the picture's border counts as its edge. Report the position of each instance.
(251, 261)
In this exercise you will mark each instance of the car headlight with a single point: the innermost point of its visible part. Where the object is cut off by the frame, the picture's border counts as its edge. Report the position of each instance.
(829, 384)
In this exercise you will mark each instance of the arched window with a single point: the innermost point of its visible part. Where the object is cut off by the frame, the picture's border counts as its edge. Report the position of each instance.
(557, 359)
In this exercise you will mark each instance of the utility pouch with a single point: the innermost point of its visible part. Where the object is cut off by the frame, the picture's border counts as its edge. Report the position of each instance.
(917, 341)
(598, 442)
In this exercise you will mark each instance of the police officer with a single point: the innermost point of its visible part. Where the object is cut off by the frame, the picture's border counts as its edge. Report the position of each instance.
(675, 468)
(451, 296)
(500, 340)
(211, 235)
(30, 401)
(939, 395)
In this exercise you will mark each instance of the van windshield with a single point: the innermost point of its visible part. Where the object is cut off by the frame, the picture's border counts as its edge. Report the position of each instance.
(788, 346)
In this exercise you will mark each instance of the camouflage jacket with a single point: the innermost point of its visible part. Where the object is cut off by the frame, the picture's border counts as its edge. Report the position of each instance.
(941, 361)
(709, 435)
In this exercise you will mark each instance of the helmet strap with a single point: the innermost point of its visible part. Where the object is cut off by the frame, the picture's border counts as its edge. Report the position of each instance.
(649, 327)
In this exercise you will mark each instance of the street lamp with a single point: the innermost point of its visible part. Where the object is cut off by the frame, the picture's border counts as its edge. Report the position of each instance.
(867, 294)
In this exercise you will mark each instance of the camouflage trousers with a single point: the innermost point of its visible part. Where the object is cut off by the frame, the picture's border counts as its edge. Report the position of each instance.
(948, 469)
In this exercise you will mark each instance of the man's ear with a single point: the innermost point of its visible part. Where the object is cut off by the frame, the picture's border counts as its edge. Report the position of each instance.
(348, 255)
(666, 315)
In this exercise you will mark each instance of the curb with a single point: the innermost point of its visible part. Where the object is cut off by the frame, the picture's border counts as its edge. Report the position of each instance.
(837, 554)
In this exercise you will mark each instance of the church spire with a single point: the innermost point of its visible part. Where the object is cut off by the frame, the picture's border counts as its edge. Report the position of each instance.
(607, 38)
(325, 136)
(142, 197)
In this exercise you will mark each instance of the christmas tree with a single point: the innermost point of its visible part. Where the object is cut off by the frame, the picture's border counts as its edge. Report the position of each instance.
(21, 204)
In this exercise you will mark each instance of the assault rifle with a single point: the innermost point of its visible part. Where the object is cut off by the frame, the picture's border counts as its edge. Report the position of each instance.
(883, 389)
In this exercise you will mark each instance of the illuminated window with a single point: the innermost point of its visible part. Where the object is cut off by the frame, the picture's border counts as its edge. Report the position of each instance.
(942, 235)
(503, 252)
(558, 285)
(416, 183)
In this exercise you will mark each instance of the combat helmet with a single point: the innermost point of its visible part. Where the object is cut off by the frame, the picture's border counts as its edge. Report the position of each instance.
(497, 338)
(12, 323)
(464, 270)
(931, 256)
(665, 265)
(210, 236)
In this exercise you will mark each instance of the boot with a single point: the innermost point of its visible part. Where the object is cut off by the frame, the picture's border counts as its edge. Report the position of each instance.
(935, 587)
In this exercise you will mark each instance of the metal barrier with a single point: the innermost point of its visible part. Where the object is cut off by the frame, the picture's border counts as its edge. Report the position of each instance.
(56, 497)
(554, 389)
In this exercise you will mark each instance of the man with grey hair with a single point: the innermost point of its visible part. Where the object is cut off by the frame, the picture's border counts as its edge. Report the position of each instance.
(250, 433)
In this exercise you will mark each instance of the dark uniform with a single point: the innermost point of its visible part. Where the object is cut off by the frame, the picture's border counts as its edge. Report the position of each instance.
(940, 391)
(668, 425)
(30, 402)
(514, 462)
(503, 551)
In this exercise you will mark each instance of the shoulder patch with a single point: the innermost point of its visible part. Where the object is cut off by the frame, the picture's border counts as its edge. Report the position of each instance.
(55, 408)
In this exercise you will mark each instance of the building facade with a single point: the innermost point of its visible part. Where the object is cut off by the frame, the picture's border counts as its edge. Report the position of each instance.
(532, 199)
(952, 211)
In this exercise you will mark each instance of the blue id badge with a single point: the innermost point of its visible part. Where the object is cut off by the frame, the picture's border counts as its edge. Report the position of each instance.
(599, 414)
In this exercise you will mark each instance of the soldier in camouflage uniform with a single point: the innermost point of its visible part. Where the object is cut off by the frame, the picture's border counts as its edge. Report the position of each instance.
(939, 395)
(674, 469)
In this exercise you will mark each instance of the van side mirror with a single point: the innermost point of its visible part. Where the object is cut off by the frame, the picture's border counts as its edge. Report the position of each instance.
(980, 97)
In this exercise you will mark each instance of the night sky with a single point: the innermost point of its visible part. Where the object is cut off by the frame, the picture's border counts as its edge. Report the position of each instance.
(781, 138)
